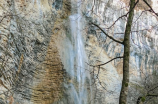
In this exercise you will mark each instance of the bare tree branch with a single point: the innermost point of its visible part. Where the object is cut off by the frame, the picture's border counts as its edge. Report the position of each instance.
(151, 9)
(109, 61)
(106, 33)
(124, 15)
(106, 62)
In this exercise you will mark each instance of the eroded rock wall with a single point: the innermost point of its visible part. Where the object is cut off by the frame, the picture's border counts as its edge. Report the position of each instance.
(37, 50)
(143, 57)
(32, 64)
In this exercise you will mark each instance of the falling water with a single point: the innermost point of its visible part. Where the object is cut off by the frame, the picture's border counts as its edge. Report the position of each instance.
(75, 57)
(79, 93)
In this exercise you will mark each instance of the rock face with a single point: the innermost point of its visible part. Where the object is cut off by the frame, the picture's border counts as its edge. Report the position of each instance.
(48, 50)
(49, 74)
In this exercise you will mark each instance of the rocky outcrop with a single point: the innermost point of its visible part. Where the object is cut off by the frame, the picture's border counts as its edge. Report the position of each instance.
(38, 54)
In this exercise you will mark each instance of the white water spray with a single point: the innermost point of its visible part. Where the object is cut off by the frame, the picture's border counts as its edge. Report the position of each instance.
(79, 93)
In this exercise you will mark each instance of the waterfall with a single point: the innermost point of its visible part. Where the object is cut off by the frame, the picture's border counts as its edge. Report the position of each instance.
(74, 58)
(80, 59)
(78, 92)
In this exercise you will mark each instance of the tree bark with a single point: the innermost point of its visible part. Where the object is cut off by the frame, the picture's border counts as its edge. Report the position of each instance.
(126, 42)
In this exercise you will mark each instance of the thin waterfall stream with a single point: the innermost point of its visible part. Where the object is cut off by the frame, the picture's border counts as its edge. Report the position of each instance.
(80, 59)
(79, 93)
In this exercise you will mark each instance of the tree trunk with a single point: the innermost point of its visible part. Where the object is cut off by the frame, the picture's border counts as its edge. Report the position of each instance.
(126, 42)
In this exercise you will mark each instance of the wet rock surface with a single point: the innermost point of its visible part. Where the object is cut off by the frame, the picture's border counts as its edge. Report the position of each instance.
(37, 51)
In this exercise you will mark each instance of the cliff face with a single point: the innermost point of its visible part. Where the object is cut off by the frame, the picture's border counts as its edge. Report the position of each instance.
(143, 57)
(48, 50)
